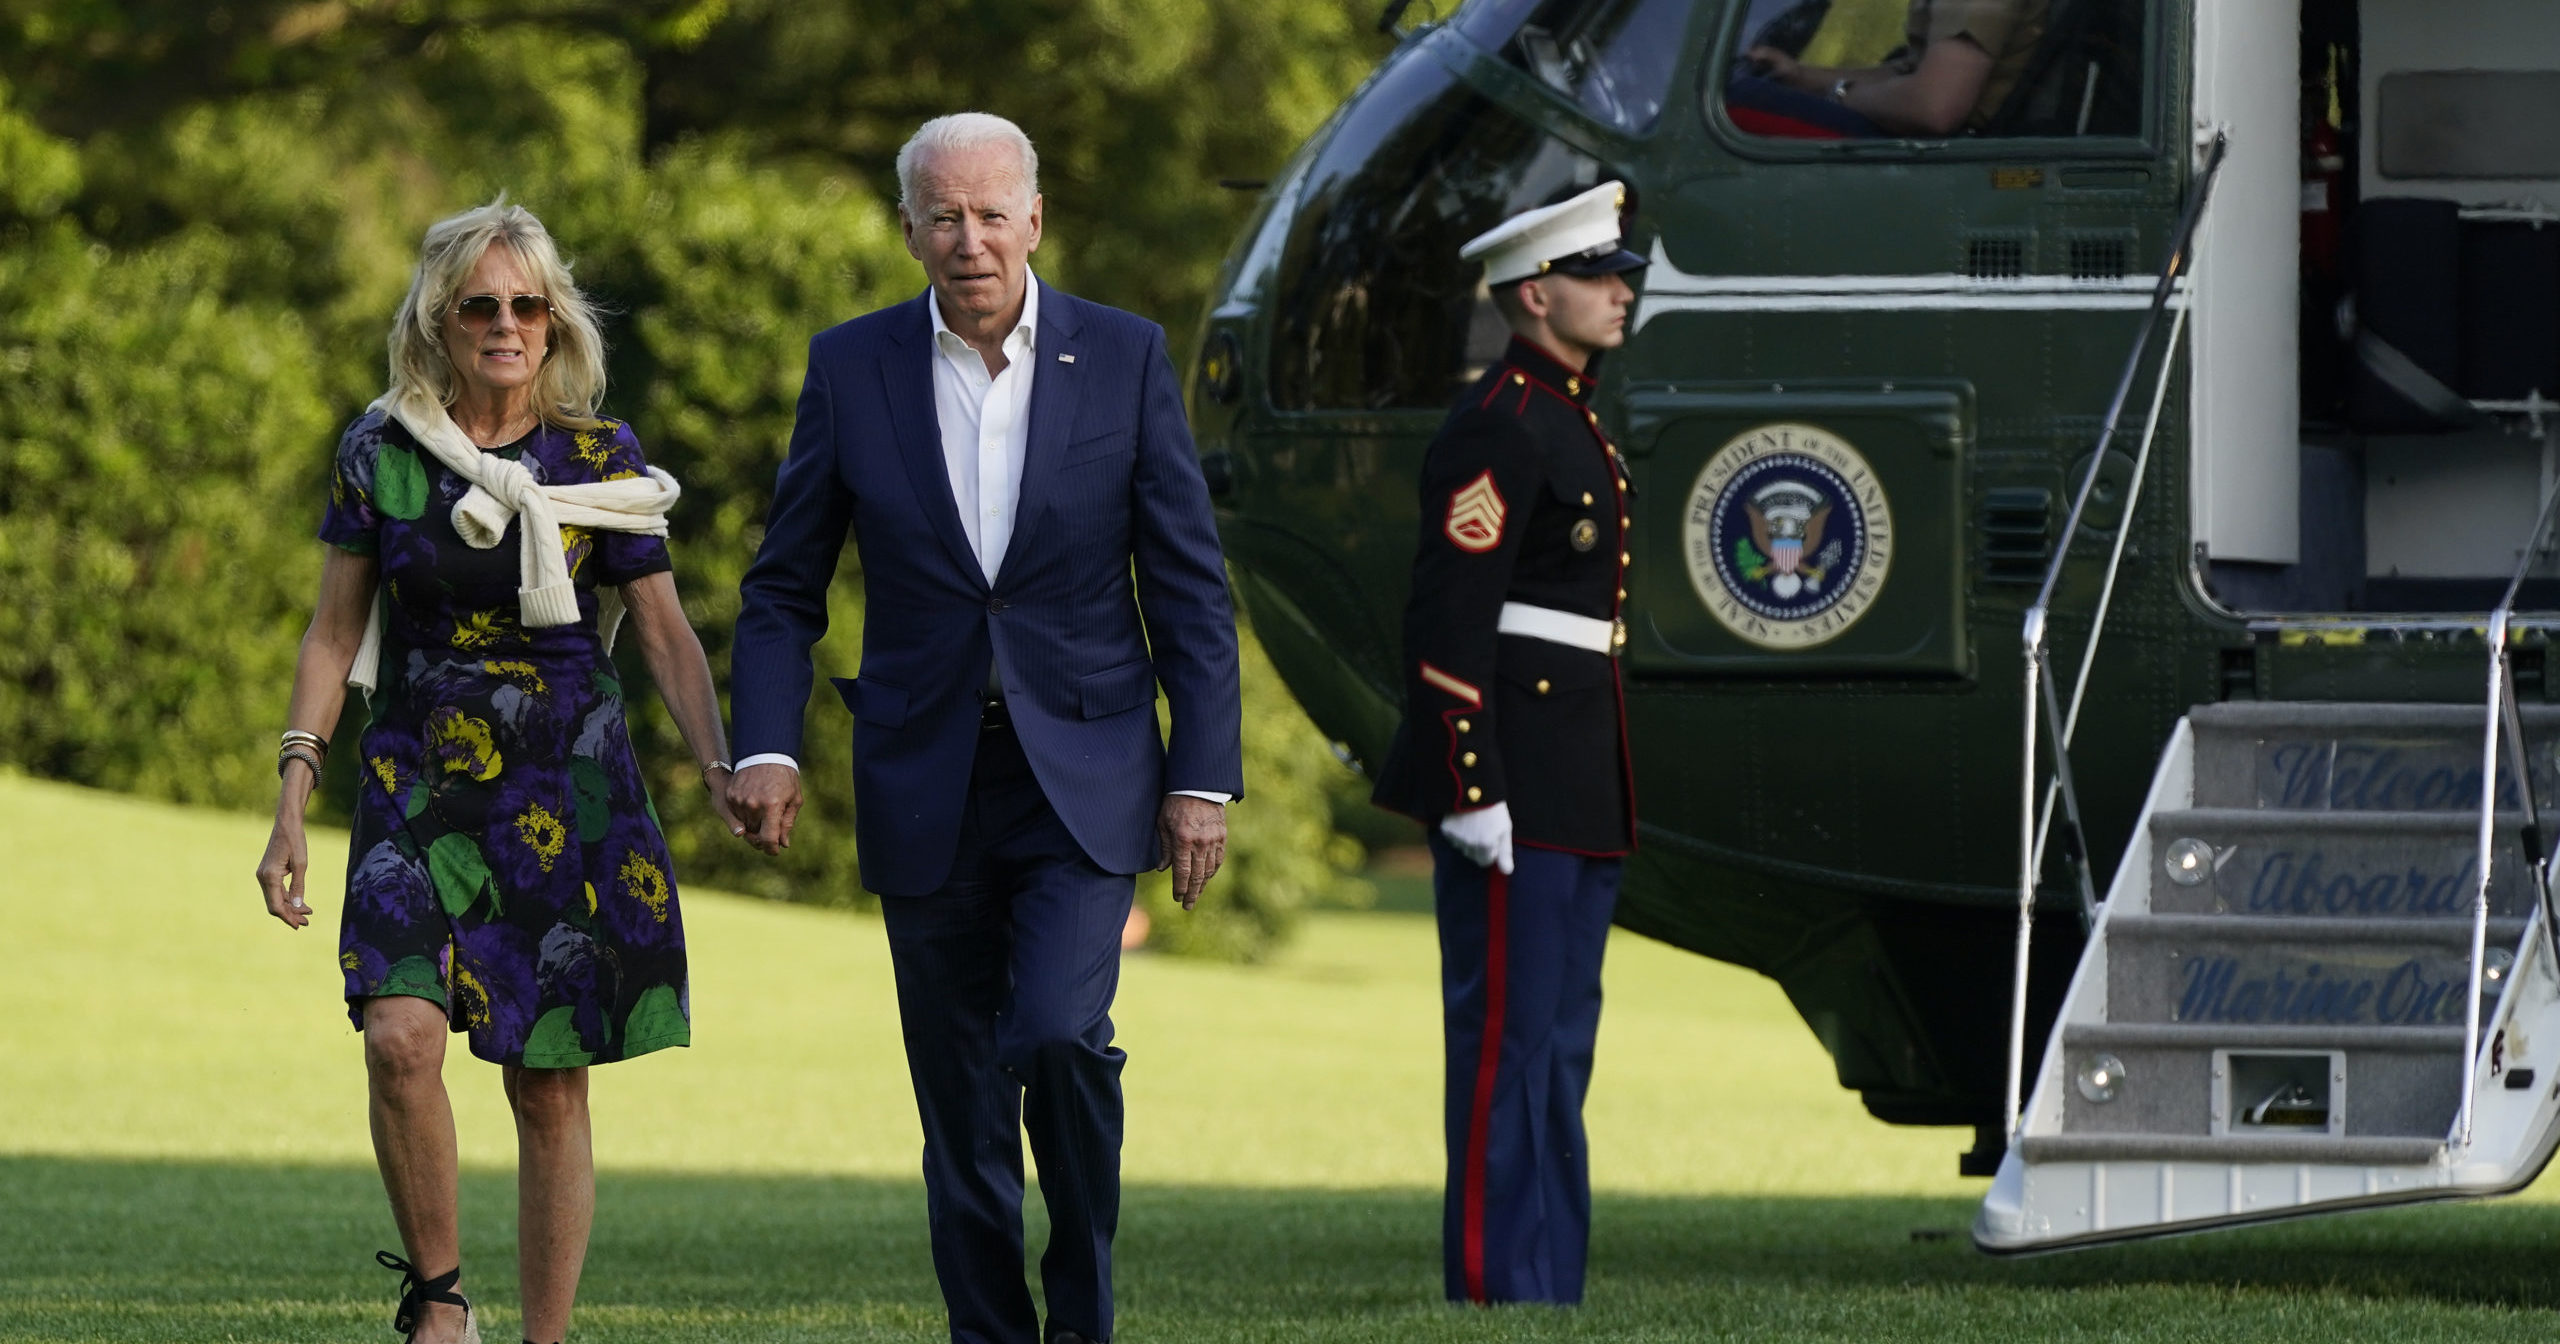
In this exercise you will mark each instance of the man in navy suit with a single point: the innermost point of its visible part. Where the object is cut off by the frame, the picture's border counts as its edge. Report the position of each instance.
(1038, 556)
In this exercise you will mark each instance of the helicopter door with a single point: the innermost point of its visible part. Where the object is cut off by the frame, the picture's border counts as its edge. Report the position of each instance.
(2243, 301)
(2428, 237)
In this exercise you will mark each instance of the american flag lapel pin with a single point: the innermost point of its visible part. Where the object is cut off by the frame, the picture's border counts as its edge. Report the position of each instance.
(1066, 359)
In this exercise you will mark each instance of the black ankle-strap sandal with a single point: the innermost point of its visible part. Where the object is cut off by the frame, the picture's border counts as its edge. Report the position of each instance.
(416, 1292)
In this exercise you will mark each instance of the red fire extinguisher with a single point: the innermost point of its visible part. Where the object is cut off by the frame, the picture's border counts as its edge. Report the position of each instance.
(2324, 168)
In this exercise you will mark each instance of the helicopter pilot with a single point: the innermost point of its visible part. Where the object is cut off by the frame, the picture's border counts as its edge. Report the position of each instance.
(1513, 745)
(1958, 64)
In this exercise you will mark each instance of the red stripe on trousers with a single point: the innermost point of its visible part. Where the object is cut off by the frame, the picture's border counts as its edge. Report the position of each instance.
(1497, 893)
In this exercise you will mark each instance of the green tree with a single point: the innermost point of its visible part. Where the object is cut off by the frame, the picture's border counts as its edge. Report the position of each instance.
(208, 211)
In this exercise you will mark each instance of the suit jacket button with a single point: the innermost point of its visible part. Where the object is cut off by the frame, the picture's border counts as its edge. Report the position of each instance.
(1475, 795)
(995, 605)
(1468, 759)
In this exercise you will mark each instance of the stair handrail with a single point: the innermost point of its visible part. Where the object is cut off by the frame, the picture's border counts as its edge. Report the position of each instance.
(2505, 727)
(2040, 698)
(2106, 595)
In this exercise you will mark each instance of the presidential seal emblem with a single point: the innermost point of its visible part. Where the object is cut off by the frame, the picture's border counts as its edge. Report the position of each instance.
(1788, 536)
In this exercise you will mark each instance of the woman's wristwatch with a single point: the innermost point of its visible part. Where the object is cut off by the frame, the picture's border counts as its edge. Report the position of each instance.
(710, 766)
(1840, 89)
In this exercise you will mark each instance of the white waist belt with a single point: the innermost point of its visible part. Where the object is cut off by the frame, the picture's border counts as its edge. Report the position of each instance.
(1558, 627)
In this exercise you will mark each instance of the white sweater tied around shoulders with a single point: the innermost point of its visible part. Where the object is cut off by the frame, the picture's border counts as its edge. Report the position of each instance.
(500, 490)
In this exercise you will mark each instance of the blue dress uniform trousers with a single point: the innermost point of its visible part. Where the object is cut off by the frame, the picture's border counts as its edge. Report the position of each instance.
(1520, 988)
(1005, 981)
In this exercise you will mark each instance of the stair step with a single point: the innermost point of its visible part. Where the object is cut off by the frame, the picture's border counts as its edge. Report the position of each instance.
(2231, 1149)
(2231, 1036)
(2365, 865)
(2387, 1082)
(2450, 931)
(2294, 971)
(2340, 757)
(2331, 717)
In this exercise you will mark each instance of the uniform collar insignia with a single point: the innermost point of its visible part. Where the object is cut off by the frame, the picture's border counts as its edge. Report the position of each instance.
(1548, 371)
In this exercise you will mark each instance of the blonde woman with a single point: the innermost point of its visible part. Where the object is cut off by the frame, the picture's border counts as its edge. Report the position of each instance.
(507, 877)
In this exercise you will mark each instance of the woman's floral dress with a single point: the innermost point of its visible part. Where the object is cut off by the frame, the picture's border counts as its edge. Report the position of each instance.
(507, 862)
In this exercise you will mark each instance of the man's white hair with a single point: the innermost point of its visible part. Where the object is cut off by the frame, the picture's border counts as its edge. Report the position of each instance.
(959, 131)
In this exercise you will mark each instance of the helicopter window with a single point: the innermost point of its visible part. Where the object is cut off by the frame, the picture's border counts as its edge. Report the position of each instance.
(1937, 69)
(1373, 310)
(1613, 58)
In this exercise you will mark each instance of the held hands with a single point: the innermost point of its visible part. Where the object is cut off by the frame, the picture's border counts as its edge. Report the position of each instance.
(1193, 835)
(1483, 835)
(763, 803)
(716, 777)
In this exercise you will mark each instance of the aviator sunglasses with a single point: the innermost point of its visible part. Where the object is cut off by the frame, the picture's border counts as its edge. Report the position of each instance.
(480, 310)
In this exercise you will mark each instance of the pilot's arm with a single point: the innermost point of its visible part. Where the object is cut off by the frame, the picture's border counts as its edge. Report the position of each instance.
(1931, 98)
(1935, 99)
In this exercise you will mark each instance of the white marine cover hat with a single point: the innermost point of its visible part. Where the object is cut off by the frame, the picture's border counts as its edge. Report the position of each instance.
(1578, 236)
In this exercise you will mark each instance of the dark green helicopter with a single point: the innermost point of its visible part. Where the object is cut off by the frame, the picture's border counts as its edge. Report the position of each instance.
(2210, 362)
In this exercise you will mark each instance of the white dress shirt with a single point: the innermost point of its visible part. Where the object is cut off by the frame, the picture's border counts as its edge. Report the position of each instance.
(985, 420)
(986, 427)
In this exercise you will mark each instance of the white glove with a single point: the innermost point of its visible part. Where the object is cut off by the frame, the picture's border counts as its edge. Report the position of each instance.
(1483, 835)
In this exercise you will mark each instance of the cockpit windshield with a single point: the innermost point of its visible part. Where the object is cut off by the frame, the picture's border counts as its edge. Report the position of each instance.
(1613, 58)
(1373, 308)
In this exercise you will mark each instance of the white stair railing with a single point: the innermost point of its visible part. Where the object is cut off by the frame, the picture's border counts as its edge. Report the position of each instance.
(2505, 726)
(2041, 700)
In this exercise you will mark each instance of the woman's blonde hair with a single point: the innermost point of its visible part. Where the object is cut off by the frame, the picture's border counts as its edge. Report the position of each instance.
(570, 386)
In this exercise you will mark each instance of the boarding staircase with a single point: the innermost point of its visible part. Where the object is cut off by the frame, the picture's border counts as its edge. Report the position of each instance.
(2273, 1013)
(2324, 975)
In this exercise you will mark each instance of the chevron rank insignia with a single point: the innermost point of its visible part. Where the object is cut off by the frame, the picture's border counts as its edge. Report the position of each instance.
(1475, 516)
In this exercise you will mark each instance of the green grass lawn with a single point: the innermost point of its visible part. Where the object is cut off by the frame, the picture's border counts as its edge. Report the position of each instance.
(183, 1151)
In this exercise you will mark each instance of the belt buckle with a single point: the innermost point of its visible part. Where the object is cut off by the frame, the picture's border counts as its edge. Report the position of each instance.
(1617, 635)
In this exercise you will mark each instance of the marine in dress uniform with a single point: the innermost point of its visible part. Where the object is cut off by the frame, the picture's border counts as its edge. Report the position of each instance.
(1513, 746)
